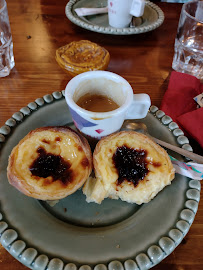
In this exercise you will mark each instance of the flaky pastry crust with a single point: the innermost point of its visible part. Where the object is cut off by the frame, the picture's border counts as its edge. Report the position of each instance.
(81, 56)
(50, 163)
(111, 180)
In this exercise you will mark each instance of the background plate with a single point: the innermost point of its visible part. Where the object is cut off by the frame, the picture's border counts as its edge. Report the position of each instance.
(74, 233)
(152, 18)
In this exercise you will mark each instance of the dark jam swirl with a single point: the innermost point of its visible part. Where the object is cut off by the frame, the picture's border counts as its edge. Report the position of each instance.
(131, 164)
(47, 164)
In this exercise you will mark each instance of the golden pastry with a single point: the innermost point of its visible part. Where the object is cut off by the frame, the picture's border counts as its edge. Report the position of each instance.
(130, 166)
(81, 56)
(50, 163)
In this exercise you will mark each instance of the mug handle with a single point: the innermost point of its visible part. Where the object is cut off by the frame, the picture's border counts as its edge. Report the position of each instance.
(137, 8)
(139, 107)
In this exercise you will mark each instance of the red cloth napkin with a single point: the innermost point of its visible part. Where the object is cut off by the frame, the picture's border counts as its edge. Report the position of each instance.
(178, 103)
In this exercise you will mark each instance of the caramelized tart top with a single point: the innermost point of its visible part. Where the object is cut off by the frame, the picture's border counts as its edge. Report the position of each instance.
(81, 56)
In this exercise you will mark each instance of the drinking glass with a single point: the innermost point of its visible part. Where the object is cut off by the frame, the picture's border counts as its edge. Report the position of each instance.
(188, 56)
(6, 43)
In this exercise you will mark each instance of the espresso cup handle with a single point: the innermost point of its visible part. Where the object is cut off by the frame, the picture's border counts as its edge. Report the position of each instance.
(137, 8)
(139, 107)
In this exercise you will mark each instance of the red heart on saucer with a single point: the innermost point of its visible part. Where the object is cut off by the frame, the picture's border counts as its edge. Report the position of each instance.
(99, 131)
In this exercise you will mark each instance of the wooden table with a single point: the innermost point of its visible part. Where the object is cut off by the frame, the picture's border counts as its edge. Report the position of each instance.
(38, 29)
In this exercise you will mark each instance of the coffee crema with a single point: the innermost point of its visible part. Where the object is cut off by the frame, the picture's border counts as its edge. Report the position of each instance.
(97, 103)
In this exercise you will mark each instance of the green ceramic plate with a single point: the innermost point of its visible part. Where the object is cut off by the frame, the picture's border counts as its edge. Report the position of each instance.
(152, 18)
(74, 234)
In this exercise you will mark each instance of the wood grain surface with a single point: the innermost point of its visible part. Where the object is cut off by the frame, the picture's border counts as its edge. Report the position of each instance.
(39, 27)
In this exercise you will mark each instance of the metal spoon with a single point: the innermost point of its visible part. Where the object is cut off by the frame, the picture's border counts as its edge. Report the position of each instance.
(142, 128)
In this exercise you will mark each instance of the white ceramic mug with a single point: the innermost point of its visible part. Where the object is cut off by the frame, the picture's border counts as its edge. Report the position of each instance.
(120, 12)
(100, 124)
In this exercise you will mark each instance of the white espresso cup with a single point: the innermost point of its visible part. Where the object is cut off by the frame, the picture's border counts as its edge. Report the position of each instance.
(120, 12)
(113, 86)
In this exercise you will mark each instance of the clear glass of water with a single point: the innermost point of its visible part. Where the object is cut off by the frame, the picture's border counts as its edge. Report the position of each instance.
(6, 43)
(188, 56)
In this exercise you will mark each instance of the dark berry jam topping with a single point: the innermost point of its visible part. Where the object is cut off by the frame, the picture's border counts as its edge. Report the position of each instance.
(47, 164)
(131, 164)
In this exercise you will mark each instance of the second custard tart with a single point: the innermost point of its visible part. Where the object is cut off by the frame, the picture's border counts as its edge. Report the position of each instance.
(130, 166)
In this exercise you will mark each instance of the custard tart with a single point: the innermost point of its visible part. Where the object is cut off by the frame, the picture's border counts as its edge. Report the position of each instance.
(130, 166)
(50, 163)
(81, 56)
